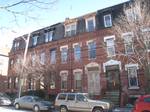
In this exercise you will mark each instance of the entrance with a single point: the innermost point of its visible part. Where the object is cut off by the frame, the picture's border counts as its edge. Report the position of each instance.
(112, 76)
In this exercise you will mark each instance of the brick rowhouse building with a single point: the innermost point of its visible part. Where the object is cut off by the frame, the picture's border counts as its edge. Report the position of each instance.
(83, 51)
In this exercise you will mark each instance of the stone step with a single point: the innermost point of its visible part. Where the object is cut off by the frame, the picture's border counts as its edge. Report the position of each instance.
(112, 96)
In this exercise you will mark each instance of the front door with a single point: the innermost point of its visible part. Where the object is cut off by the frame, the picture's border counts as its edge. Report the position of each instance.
(113, 80)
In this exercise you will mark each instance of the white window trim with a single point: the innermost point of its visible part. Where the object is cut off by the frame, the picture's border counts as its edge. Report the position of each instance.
(70, 26)
(77, 70)
(48, 40)
(87, 42)
(65, 46)
(77, 44)
(53, 62)
(94, 22)
(131, 65)
(64, 72)
(127, 33)
(124, 35)
(36, 41)
(105, 20)
(137, 67)
(110, 37)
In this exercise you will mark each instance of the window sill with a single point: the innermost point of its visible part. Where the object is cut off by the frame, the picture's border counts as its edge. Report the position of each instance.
(135, 87)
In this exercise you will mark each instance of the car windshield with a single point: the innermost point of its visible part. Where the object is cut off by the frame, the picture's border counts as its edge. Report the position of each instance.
(38, 99)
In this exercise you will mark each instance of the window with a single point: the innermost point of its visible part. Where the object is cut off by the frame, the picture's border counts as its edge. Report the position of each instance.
(48, 36)
(77, 52)
(53, 56)
(52, 81)
(16, 44)
(16, 82)
(147, 45)
(81, 98)
(64, 80)
(147, 99)
(90, 24)
(132, 75)
(128, 41)
(64, 54)
(71, 97)
(77, 80)
(33, 56)
(70, 29)
(34, 40)
(9, 82)
(42, 85)
(110, 45)
(92, 50)
(42, 58)
(62, 96)
(18, 61)
(107, 20)
(132, 14)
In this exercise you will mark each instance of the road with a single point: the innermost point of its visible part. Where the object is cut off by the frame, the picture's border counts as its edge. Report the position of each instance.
(12, 109)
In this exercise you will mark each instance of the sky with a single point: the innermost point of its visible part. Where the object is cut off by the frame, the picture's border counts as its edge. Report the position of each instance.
(56, 12)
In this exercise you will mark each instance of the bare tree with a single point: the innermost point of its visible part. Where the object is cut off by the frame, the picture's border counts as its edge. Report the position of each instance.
(24, 10)
(37, 70)
(133, 29)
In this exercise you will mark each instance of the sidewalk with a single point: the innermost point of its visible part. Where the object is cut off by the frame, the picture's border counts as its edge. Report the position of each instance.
(122, 109)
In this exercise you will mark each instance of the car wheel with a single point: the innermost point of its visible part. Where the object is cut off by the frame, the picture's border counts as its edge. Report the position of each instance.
(63, 109)
(17, 106)
(36, 108)
(98, 110)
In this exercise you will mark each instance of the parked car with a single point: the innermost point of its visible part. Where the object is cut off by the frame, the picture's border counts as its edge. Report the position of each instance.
(142, 104)
(5, 100)
(33, 102)
(80, 102)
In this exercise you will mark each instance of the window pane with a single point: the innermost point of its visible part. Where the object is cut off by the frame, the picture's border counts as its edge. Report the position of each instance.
(77, 52)
(81, 98)
(132, 74)
(42, 58)
(34, 40)
(90, 24)
(107, 21)
(92, 50)
(62, 97)
(64, 54)
(70, 30)
(53, 56)
(71, 97)
(129, 48)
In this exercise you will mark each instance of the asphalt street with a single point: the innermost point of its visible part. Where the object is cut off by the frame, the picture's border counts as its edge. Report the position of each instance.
(12, 109)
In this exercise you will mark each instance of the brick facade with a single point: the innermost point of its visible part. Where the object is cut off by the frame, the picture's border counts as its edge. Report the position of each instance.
(98, 65)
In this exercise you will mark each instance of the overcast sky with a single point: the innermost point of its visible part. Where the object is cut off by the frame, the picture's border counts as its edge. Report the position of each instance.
(56, 13)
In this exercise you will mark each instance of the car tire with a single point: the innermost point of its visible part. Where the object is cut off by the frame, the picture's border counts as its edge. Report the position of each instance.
(36, 108)
(98, 110)
(63, 109)
(17, 106)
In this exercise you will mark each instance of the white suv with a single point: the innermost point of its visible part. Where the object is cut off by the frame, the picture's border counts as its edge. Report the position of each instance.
(80, 102)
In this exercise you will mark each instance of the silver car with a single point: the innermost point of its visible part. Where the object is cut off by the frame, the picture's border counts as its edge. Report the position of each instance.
(33, 102)
(80, 102)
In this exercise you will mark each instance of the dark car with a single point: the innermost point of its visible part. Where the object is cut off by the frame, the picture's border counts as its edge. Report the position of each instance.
(142, 104)
(33, 102)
